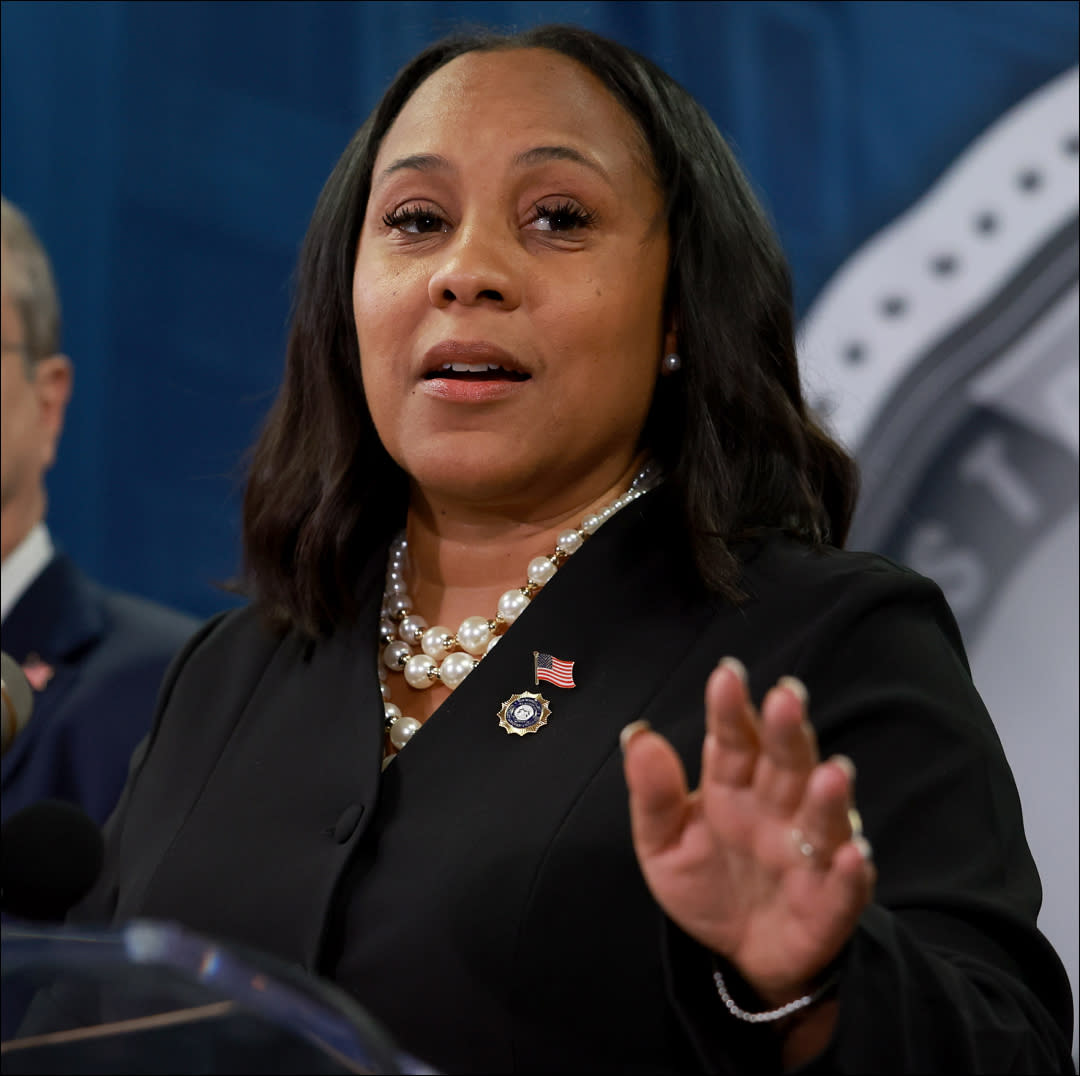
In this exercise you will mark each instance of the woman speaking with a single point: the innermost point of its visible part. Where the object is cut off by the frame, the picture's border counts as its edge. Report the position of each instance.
(559, 726)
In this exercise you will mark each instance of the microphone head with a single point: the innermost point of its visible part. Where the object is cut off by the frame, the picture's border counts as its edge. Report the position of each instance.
(18, 698)
(50, 855)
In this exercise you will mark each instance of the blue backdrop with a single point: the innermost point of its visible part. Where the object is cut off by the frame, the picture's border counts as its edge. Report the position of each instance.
(169, 155)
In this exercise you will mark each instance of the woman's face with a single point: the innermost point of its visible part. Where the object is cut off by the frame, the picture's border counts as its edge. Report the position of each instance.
(509, 283)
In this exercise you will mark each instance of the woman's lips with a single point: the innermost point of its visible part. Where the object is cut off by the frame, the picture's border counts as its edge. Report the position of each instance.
(476, 371)
(471, 372)
(472, 386)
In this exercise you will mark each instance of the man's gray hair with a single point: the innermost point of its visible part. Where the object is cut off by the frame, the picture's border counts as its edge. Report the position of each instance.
(28, 280)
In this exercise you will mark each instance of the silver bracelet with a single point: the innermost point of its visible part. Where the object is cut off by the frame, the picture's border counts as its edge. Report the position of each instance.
(772, 1014)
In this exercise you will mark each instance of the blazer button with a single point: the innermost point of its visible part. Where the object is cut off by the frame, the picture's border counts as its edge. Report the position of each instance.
(347, 823)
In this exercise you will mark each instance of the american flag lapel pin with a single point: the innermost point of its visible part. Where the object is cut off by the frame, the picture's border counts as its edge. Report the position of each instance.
(557, 672)
(528, 711)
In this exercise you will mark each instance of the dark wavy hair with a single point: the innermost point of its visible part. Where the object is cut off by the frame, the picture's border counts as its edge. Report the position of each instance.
(741, 450)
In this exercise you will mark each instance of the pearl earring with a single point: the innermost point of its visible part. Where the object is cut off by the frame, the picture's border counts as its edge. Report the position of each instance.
(670, 363)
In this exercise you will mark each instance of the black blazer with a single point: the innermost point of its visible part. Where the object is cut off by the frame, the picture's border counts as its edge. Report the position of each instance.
(481, 898)
(107, 653)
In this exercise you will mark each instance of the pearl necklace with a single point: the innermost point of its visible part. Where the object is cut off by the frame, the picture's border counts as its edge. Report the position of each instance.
(447, 657)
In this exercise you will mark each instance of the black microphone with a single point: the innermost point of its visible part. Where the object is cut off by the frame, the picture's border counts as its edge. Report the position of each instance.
(18, 699)
(50, 855)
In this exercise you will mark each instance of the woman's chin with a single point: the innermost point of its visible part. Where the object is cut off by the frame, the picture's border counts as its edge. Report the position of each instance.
(491, 485)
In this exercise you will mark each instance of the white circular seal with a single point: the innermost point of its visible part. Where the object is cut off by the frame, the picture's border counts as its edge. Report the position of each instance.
(524, 713)
(945, 355)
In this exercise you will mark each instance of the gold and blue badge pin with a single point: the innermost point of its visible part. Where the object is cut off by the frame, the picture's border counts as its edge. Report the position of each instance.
(528, 711)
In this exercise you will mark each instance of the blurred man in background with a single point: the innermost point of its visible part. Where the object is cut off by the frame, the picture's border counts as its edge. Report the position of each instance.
(94, 658)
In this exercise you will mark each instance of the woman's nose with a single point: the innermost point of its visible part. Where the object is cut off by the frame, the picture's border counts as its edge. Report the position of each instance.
(476, 269)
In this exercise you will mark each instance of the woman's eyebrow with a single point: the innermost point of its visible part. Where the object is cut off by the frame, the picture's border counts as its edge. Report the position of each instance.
(417, 162)
(540, 154)
(433, 162)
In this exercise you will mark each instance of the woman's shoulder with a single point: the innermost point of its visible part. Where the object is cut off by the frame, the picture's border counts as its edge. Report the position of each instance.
(244, 627)
(825, 608)
(234, 645)
(777, 563)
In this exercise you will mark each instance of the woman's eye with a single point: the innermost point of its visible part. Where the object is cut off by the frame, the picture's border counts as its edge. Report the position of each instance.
(415, 220)
(561, 217)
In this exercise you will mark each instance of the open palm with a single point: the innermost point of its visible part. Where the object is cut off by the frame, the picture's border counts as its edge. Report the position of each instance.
(760, 863)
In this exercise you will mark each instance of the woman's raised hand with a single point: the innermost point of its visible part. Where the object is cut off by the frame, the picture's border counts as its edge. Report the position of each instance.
(764, 863)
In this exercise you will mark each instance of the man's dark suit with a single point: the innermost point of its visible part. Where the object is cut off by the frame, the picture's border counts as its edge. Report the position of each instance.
(107, 653)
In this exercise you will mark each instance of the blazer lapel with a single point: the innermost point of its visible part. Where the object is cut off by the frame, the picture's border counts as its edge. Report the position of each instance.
(56, 620)
(59, 615)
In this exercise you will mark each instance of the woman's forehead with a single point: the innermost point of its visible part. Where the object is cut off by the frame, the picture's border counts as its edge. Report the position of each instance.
(489, 98)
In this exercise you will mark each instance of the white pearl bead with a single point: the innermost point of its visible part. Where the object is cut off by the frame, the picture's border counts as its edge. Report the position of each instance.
(392, 712)
(473, 634)
(455, 668)
(436, 642)
(569, 541)
(398, 605)
(396, 654)
(403, 730)
(411, 628)
(512, 605)
(384, 689)
(591, 524)
(491, 643)
(540, 570)
(387, 630)
(420, 671)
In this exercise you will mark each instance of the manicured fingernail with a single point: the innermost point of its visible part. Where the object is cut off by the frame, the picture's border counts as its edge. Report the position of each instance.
(855, 821)
(736, 666)
(863, 846)
(796, 687)
(845, 764)
(631, 730)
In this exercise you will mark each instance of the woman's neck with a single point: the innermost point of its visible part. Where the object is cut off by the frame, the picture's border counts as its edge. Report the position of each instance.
(462, 559)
